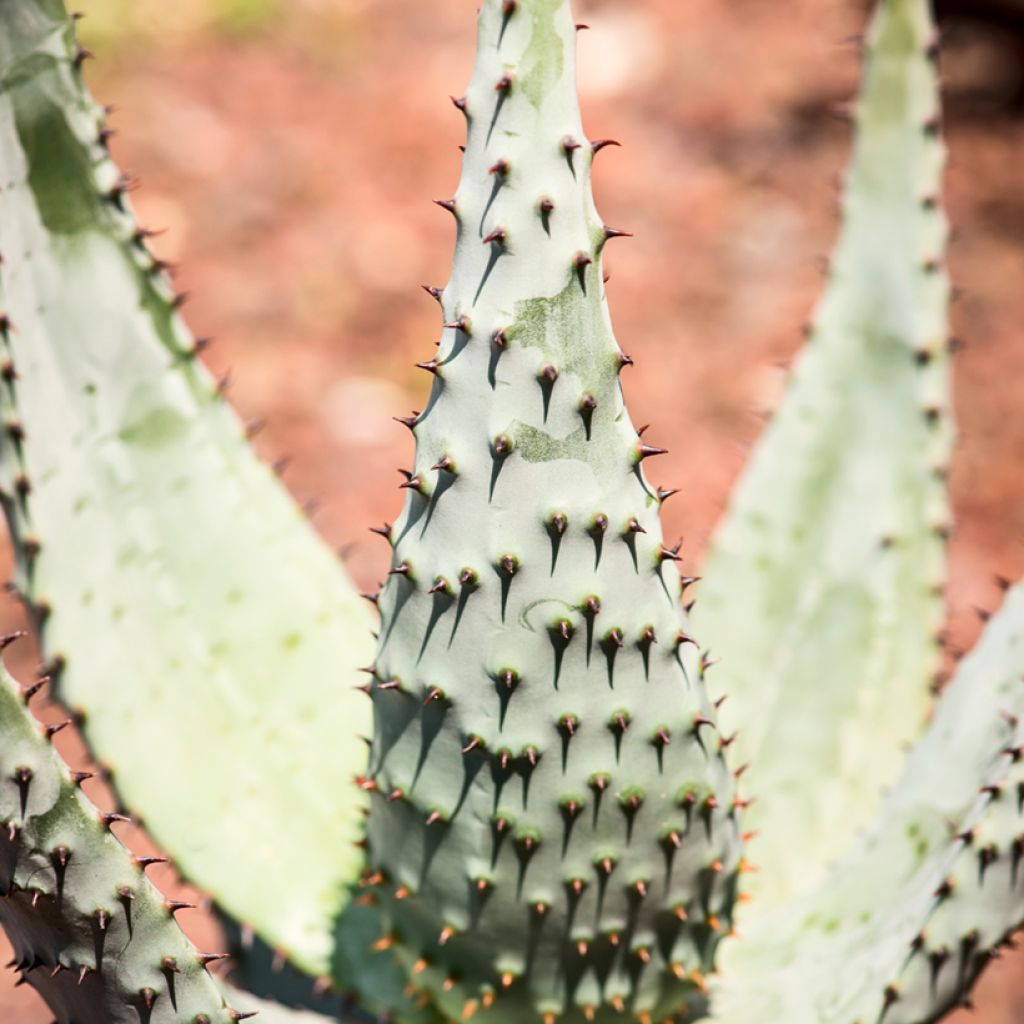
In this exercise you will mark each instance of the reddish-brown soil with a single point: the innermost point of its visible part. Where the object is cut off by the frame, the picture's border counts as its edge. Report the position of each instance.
(292, 159)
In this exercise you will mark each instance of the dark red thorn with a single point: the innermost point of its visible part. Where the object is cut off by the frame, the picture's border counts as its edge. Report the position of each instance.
(238, 1015)
(633, 526)
(431, 366)
(432, 818)
(205, 959)
(434, 293)
(548, 373)
(497, 236)
(625, 360)
(558, 521)
(581, 25)
(446, 204)
(408, 421)
(384, 531)
(569, 145)
(81, 55)
(441, 586)
(445, 464)
(461, 323)
(500, 168)
(79, 777)
(28, 693)
(598, 144)
(402, 569)
(474, 743)
(504, 84)
(664, 493)
(109, 818)
(502, 445)
(49, 731)
(173, 906)
(546, 205)
(646, 451)
(582, 260)
(616, 233)
(685, 638)
(460, 102)
(144, 862)
(572, 807)
(500, 338)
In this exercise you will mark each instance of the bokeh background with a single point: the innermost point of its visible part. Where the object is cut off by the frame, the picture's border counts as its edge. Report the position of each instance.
(290, 150)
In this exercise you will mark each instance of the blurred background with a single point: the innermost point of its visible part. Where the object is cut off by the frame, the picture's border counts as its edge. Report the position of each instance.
(290, 150)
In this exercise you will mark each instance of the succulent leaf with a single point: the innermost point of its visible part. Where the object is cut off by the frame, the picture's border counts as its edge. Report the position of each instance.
(185, 606)
(553, 831)
(822, 589)
(902, 926)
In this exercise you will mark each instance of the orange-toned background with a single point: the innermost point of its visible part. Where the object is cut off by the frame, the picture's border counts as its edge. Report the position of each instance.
(291, 147)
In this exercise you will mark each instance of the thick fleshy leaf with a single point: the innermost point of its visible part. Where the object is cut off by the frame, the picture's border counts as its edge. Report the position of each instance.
(186, 607)
(822, 590)
(906, 921)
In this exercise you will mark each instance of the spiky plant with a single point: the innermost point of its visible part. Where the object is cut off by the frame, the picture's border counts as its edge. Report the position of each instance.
(553, 833)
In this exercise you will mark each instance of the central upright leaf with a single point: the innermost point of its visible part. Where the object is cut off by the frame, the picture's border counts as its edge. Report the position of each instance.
(553, 831)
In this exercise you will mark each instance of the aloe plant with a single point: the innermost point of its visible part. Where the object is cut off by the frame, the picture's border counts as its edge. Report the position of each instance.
(556, 828)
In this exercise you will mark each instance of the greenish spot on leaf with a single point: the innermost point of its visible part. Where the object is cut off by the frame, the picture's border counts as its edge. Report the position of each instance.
(59, 173)
(157, 428)
(543, 63)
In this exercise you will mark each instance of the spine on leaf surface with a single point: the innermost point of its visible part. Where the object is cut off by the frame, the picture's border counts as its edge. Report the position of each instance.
(553, 829)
